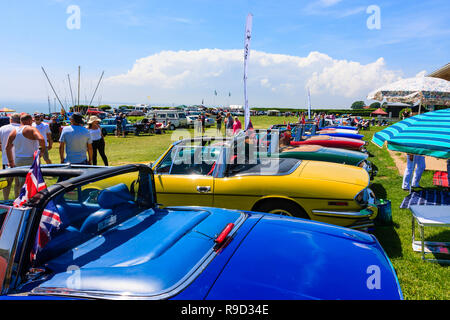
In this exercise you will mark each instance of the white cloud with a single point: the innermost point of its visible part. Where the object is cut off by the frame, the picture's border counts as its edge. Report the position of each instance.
(273, 79)
(328, 3)
(350, 79)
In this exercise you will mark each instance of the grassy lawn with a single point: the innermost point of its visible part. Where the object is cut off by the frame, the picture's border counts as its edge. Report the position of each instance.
(418, 279)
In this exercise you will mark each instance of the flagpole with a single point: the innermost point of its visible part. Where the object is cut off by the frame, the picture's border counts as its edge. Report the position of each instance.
(248, 35)
(309, 105)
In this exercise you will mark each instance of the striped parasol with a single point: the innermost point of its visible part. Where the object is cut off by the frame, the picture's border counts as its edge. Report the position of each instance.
(426, 134)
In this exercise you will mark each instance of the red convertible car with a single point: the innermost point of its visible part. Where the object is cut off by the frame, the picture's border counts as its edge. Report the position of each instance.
(332, 142)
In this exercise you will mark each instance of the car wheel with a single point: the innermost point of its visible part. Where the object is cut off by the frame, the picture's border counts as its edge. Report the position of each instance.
(104, 132)
(172, 127)
(282, 207)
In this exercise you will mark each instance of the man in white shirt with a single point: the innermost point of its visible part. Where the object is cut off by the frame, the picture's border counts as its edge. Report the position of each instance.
(44, 129)
(14, 122)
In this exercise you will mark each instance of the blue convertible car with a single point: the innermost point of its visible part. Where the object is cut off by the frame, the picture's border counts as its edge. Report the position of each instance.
(110, 240)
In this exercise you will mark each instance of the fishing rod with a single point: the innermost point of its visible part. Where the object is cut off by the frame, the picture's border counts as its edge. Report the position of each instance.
(53, 89)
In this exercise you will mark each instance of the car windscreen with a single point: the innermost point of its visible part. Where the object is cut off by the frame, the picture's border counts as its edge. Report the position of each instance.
(189, 160)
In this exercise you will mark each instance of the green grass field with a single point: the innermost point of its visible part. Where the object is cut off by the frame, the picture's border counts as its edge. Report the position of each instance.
(418, 279)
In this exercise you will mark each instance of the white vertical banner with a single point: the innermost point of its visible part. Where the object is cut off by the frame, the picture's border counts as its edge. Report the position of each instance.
(309, 105)
(248, 35)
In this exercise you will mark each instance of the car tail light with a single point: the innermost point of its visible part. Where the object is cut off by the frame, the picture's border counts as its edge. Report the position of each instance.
(338, 203)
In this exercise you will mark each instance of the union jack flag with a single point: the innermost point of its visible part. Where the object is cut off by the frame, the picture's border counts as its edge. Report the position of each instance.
(50, 220)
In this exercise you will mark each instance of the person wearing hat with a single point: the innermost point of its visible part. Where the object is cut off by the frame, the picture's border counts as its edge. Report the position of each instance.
(44, 129)
(98, 141)
(76, 141)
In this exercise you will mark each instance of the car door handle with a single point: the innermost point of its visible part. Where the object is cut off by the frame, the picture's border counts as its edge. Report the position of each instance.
(203, 189)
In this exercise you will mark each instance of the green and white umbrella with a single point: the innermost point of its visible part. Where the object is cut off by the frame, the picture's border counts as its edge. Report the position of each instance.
(426, 134)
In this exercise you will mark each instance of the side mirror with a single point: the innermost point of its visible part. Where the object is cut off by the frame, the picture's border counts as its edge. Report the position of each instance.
(3, 184)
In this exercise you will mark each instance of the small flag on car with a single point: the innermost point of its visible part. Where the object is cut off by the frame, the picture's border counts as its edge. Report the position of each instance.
(50, 220)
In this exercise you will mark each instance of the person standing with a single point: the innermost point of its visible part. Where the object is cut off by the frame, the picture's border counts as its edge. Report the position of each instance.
(44, 129)
(237, 126)
(219, 119)
(321, 121)
(98, 141)
(55, 128)
(76, 141)
(118, 124)
(5, 131)
(229, 124)
(203, 121)
(415, 166)
(23, 142)
(302, 120)
(124, 123)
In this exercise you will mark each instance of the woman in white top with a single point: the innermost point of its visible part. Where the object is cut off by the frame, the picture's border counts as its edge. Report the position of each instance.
(98, 141)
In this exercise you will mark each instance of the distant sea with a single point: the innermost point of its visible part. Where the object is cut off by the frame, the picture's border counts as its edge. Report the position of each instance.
(43, 107)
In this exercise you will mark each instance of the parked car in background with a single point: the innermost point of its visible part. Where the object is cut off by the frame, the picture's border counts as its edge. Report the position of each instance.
(109, 127)
(191, 119)
(313, 152)
(113, 241)
(96, 112)
(177, 118)
(208, 171)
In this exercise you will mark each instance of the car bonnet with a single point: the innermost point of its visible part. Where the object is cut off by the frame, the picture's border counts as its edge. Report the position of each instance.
(289, 258)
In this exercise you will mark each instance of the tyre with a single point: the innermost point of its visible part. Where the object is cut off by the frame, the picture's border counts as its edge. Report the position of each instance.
(282, 207)
(172, 127)
(104, 132)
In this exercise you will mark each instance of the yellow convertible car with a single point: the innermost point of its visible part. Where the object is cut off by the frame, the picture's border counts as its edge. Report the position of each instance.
(204, 172)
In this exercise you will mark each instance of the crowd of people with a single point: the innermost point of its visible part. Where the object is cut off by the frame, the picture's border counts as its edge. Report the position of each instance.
(27, 134)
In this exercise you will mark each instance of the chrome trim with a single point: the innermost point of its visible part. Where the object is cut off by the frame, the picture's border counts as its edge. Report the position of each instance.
(362, 226)
(165, 294)
(349, 214)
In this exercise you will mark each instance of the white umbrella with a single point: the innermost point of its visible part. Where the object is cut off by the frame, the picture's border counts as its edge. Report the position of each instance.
(425, 90)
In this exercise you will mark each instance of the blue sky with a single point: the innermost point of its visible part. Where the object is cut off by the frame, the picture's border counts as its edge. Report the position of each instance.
(413, 38)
